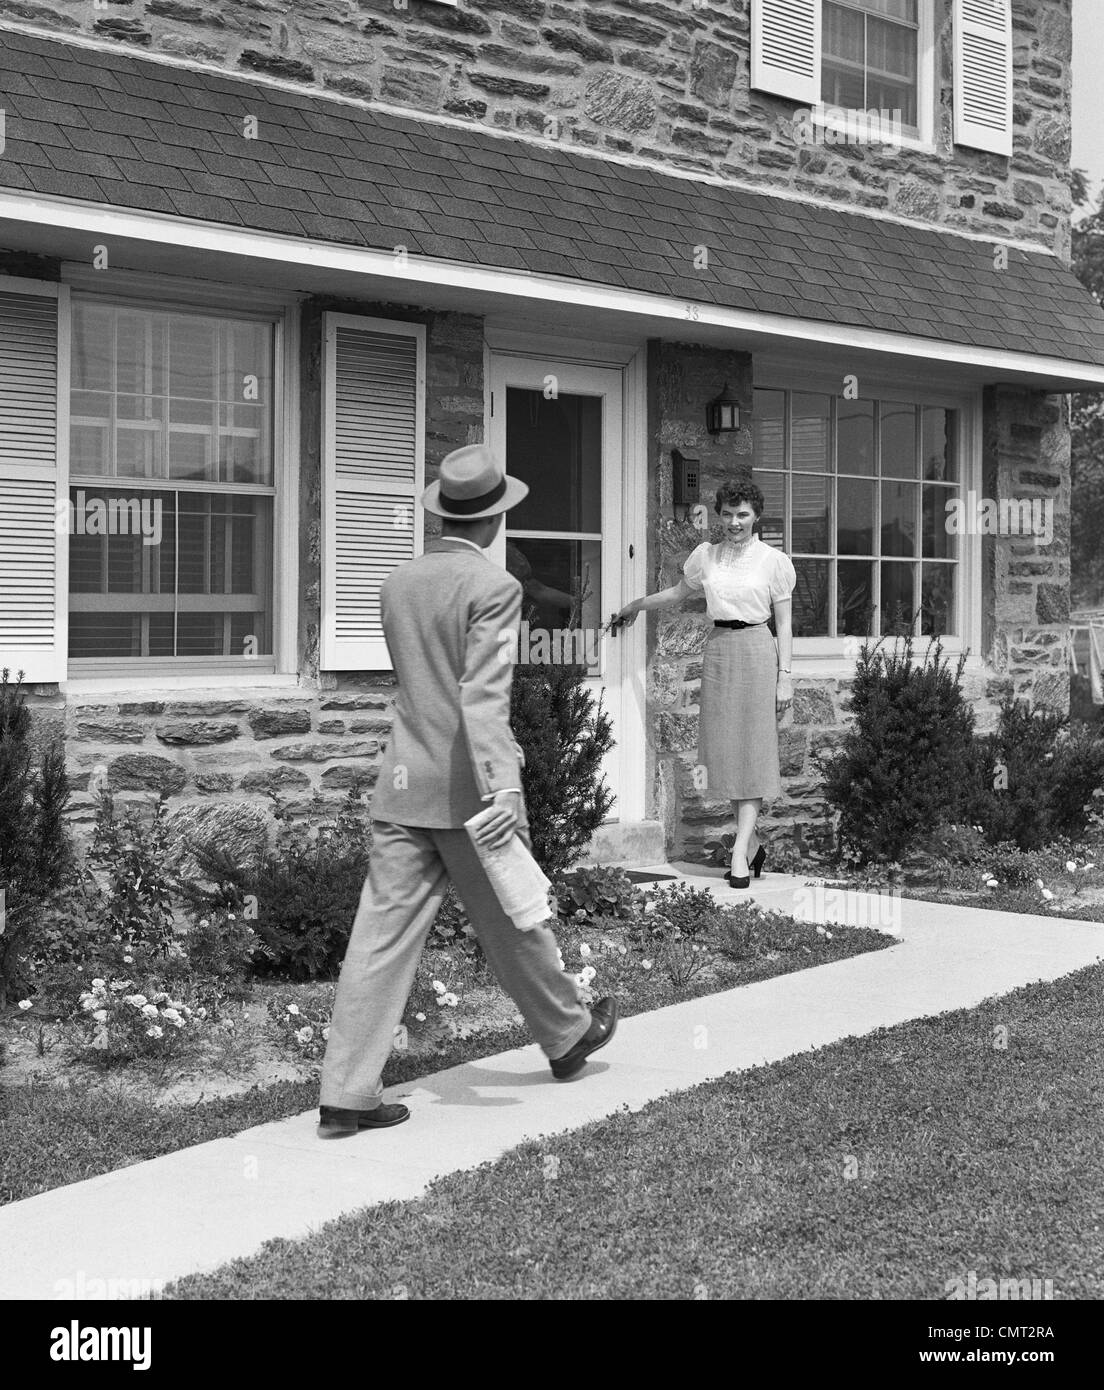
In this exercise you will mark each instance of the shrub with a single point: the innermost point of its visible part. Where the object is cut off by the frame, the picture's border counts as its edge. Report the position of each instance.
(300, 895)
(35, 848)
(689, 911)
(596, 891)
(564, 734)
(1040, 777)
(220, 950)
(907, 762)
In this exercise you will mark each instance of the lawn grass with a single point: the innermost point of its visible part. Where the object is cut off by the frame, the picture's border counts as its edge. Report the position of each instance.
(880, 1167)
(51, 1134)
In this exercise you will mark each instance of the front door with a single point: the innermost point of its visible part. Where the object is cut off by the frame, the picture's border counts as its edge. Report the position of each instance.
(558, 427)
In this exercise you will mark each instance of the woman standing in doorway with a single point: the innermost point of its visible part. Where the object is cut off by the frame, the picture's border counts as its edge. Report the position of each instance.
(746, 678)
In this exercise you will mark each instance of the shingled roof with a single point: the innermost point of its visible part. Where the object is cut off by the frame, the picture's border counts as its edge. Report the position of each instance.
(116, 128)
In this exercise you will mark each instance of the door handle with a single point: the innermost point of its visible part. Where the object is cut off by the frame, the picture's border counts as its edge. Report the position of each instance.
(632, 552)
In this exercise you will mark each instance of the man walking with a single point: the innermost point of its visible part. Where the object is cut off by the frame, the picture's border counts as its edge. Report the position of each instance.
(448, 616)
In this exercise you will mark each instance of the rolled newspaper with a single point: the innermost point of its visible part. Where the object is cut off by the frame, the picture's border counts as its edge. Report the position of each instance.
(517, 879)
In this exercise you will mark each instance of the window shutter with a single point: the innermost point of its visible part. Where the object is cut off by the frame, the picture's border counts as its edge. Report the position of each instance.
(983, 75)
(785, 48)
(33, 476)
(373, 471)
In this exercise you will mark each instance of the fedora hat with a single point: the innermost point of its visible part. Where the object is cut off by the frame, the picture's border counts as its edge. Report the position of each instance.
(472, 484)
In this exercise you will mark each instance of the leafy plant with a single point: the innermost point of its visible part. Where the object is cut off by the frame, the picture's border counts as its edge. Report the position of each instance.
(687, 910)
(121, 1026)
(301, 1020)
(133, 859)
(596, 891)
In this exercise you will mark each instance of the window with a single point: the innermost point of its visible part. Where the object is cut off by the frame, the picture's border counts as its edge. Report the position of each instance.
(871, 57)
(172, 469)
(856, 492)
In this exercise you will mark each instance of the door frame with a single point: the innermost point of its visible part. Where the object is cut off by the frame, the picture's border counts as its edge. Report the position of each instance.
(628, 703)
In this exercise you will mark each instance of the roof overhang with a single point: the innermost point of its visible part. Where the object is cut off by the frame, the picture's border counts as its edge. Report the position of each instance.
(69, 229)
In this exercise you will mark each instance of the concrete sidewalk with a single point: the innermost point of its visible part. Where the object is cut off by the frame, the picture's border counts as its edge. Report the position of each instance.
(193, 1210)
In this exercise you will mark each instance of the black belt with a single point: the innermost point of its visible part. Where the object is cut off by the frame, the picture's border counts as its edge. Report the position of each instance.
(735, 622)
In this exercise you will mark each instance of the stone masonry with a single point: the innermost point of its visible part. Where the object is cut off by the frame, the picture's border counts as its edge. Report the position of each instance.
(663, 80)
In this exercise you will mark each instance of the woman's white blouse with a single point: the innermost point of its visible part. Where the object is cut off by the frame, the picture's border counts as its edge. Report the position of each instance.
(740, 587)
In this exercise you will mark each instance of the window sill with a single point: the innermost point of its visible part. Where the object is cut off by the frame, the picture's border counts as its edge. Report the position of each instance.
(145, 686)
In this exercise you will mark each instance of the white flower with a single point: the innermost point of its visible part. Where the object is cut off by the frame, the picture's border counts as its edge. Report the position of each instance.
(419, 1018)
(439, 986)
(622, 950)
(161, 998)
(173, 1016)
(584, 949)
(305, 1035)
(1039, 883)
(448, 1000)
(150, 1010)
(138, 1000)
(201, 1013)
(1071, 867)
(100, 1015)
(99, 984)
(128, 960)
(1047, 895)
(325, 1033)
(587, 974)
(992, 883)
(155, 1032)
(87, 1001)
(293, 1008)
(821, 931)
(26, 1004)
(1086, 867)
(646, 965)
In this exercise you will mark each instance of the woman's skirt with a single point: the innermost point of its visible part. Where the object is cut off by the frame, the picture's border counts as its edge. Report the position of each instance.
(738, 723)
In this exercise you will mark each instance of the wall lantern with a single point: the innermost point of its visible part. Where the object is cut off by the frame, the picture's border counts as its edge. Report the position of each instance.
(722, 415)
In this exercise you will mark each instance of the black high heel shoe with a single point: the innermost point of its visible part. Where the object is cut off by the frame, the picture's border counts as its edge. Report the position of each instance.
(737, 882)
(759, 860)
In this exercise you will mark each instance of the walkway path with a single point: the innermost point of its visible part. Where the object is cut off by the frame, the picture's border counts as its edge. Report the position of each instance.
(193, 1210)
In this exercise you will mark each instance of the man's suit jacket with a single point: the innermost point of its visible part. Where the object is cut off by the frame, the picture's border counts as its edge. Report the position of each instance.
(451, 618)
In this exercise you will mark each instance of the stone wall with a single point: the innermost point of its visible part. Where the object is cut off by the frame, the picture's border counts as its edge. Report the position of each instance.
(1026, 582)
(665, 80)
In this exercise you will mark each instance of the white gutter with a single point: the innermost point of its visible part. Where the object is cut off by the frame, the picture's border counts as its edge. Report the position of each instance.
(106, 223)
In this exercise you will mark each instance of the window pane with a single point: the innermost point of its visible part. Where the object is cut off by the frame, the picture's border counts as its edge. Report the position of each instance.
(773, 488)
(556, 447)
(939, 542)
(193, 359)
(899, 518)
(92, 347)
(843, 33)
(937, 448)
(552, 573)
(898, 440)
(855, 435)
(811, 434)
(855, 524)
(855, 599)
(768, 429)
(937, 616)
(810, 599)
(898, 600)
(811, 507)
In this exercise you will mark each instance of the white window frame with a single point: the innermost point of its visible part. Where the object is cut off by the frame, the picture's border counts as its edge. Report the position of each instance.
(925, 81)
(827, 656)
(281, 308)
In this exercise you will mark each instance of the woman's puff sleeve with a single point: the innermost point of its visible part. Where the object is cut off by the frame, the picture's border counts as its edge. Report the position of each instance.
(784, 579)
(695, 564)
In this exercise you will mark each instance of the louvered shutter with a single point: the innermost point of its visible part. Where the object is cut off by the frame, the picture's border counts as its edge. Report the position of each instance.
(33, 475)
(373, 472)
(983, 75)
(785, 48)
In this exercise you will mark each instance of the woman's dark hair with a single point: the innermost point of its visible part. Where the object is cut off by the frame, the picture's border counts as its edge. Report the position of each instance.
(741, 490)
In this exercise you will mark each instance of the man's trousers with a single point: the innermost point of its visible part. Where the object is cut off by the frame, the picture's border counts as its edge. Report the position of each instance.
(408, 874)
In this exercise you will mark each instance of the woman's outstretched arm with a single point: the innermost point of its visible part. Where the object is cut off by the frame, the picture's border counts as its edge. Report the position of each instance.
(665, 598)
